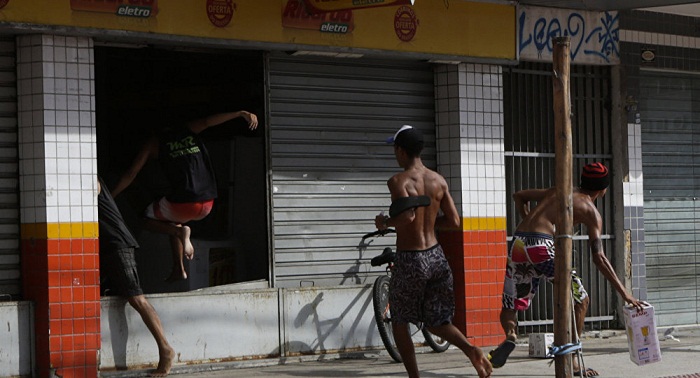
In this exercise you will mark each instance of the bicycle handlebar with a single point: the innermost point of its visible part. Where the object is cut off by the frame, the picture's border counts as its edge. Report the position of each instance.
(379, 233)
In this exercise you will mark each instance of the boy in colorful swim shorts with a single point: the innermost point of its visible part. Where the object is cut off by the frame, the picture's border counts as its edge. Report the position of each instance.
(531, 259)
(421, 283)
(531, 256)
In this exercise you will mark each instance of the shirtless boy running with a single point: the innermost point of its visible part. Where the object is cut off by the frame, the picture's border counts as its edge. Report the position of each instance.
(421, 285)
(531, 256)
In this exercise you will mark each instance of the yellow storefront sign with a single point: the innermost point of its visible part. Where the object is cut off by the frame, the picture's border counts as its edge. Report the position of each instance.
(455, 28)
(317, 6)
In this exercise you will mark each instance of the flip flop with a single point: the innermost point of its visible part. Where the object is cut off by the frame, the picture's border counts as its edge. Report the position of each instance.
(499, 356)
(586, 372)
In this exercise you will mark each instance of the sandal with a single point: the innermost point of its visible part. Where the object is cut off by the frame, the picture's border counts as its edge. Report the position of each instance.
(586, 373)
(499, 356)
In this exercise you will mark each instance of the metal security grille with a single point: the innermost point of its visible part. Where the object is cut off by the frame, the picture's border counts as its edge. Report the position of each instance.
(669, 105)
(529, 149)
(329, 119)
(10, 285)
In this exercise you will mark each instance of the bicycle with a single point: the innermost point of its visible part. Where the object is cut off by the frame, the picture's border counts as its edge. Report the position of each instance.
(380, 301)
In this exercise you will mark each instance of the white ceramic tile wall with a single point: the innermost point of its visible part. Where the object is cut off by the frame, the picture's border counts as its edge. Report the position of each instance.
(58, 158)
(469, 108)
(634, 189)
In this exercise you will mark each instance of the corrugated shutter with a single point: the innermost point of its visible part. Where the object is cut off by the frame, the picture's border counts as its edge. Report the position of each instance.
(671, 163)
(329, 119)
(9, 173)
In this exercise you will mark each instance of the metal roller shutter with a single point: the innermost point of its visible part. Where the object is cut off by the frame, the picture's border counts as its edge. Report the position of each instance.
(671, 162)
(329, 119)
(10, 285)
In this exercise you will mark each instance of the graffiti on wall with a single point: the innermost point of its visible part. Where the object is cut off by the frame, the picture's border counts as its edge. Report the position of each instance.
(594, 36)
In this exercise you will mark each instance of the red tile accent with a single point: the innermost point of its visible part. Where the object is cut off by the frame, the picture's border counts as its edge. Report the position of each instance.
(92, 293)
(91, 357)
(64, 246)
(78, 294)
(55, 272)
(67, 340)
(66, 295)
(67, 327)
(54, 344)
(92, 309)
(92, 325)
(54, 294)
(478, 280)
(92, 342)
(79, 325)
(76, 246)
(91, 370)
(77, 261)
(79, 310)
(55, 326)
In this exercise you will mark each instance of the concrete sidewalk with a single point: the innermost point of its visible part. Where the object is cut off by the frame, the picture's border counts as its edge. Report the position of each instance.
(604, 351)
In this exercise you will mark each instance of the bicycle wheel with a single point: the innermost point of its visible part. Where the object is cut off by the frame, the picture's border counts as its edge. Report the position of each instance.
(382, 315)
(438, 344)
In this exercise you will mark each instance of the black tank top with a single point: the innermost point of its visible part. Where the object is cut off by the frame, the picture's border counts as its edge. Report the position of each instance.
(113, 231)
(185, 161)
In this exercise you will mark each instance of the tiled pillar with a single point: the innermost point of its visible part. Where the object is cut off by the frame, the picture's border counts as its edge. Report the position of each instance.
(469, 108)
(58, 164)
(633, 194)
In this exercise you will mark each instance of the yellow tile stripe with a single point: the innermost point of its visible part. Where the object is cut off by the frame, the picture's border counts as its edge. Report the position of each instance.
(483, 223)
(80, 230)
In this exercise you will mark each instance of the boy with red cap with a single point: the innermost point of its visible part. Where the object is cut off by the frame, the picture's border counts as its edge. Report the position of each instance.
(531, 256)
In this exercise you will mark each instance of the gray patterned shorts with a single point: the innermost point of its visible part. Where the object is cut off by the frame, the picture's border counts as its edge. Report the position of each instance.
(119, 270)
(421, 288)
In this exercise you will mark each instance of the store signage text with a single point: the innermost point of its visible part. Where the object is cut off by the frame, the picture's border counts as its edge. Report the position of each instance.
(405, 23)
(296, 16)
(220, 12)
(125, 8)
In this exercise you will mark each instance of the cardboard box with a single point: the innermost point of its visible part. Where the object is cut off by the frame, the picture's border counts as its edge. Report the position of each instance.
(539, 345)
(641, 335)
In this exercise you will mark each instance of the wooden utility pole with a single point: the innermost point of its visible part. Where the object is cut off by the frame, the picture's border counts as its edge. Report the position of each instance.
(565, 221)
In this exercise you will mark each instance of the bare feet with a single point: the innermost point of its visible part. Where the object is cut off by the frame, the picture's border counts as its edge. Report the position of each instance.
(481, 363)
(186, 243)
(164, 364)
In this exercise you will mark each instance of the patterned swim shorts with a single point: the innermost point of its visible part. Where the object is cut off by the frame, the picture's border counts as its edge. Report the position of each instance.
(421, 288)
(530, 259)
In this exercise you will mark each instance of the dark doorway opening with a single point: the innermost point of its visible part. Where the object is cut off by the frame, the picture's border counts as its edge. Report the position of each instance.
(141, 90)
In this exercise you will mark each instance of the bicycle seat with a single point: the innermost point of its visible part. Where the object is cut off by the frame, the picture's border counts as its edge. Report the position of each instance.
(402, 204)
(386, 257)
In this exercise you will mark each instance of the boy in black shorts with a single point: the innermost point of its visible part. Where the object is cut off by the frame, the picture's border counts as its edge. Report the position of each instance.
(421, 284)
(118, 265)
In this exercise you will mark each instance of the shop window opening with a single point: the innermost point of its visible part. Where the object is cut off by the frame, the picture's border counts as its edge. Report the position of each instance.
(138, 92)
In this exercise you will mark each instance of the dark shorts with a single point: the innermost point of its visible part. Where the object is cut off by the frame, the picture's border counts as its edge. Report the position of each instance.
(421, 288)
(118, 270)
